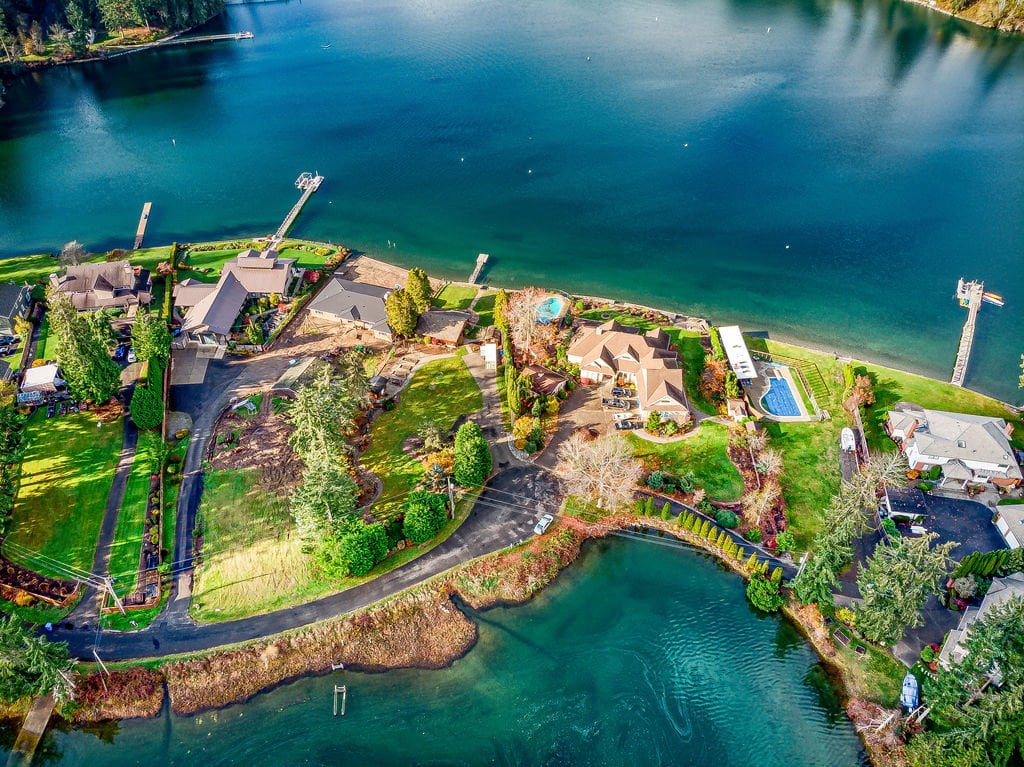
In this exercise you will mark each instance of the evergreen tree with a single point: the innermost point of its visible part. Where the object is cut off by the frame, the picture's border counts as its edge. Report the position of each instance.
(472, 456)
(324, 506)
(151, 340)
(418, 287)
(84, 362)
(764, 594)
(500, 307)
(324, 410)
(31, 665)
(359, 549)
(895, 585)
(425, 515)
(402, 313)
(147, 408)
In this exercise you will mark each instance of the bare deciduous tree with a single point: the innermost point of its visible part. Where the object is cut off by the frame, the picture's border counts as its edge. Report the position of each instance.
(602, 471)
(769, 462)
(72, 253)
(521, 316)
(760, 502)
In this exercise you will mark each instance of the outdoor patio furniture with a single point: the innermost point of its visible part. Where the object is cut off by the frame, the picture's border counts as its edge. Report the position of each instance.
(841, 637)
(861, 650)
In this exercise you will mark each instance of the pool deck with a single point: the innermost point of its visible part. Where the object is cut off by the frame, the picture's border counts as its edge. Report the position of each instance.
(759, 387)
(563, 309)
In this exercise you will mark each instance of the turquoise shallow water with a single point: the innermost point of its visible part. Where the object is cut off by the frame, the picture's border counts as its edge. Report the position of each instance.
(827, 180)
(638, 655)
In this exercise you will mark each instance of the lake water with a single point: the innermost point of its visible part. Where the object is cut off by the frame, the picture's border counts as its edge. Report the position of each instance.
(638, 655)
(821, 170)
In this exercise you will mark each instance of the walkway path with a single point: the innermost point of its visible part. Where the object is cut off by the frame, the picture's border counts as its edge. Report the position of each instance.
(89, 607)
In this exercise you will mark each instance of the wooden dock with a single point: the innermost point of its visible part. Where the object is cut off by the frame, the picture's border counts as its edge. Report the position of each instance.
(140, 232)
(31, 731)
(481, 261)
(308, 183)
(969, 294)
(208, 38)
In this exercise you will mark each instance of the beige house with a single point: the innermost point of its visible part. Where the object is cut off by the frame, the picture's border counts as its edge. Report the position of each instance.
(618, 353)
(110, 285)
(211, 309)
(1002, 591)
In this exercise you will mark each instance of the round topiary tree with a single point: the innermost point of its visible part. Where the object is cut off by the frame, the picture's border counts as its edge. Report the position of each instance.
(425, 514)
(726, 518)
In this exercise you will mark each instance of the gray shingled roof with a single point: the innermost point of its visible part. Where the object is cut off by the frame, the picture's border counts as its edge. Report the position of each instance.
(354, 301)
(216, 313)
(9, 294)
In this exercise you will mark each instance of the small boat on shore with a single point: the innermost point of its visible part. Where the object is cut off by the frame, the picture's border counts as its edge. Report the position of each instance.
(992, 298)
(909, 696)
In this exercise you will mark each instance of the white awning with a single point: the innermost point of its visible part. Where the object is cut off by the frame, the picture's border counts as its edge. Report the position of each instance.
(736, 350)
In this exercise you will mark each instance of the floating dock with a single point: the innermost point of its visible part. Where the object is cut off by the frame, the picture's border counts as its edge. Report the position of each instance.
(481, 261)
(140, 231)
(308, 183)
(969, 294)
(31, 731)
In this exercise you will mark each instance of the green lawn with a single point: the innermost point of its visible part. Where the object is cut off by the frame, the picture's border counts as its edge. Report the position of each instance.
(40, 266)
(215, 259)
(440, 391)
(46, 348)
(704, 454)
(485, 310)
(240, 576)
(66, 476)
(456, 297)
(124, 552)
(892, 386)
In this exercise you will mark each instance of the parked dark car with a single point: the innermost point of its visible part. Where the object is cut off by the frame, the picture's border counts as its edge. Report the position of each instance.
(626, 425)
(120, 353)
(615, 402)
(622, 392)
(8, 340)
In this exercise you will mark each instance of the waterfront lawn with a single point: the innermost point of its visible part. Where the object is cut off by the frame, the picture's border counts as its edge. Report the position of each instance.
(704, 454)
(127, 545)
(455, 297)
(892, 386)
(66, 476)
(440, 391)
(24, 269)
(810, 476)
(46, 345)
(485, 310)
(239, 577)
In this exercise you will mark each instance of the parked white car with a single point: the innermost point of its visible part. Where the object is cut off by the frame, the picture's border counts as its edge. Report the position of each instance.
(622, 416)
(543, 524)
(131, 356)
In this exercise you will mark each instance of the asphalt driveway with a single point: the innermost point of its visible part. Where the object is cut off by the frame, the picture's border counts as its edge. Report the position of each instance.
(967, 522)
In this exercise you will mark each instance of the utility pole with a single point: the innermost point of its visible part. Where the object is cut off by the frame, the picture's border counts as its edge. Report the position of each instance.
(108, 585)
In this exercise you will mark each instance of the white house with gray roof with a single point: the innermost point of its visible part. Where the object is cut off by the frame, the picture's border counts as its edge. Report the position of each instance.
(969, 449)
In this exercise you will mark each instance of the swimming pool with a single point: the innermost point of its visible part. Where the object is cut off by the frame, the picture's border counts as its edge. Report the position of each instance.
(550, 309)
(779, 399)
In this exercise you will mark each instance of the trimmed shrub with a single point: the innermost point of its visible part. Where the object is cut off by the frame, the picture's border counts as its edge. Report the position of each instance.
(752, 562)
(425, 514)
(785, 541)
(147, 408)
(704, 528)
(666, 512)
(754, 535)
(726, 518)
(763, 594)
(656, 480)
(649, 507)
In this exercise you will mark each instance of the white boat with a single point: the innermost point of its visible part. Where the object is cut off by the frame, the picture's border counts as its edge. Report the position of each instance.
(909, 697)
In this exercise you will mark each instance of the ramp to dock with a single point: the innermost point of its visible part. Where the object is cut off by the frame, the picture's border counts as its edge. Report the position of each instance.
(308, 183)
(31, 731)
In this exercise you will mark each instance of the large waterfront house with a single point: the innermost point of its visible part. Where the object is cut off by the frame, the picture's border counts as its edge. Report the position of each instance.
(968, 449)
(1002, 591)
(622, 354)
(212, 309)
(14, 303)
(109, 285)
(353, 304)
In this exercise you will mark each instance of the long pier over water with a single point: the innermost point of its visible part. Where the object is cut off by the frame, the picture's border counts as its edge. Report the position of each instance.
(970, 295)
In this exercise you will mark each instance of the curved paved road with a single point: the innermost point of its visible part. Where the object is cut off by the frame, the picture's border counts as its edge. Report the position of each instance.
(488, 528)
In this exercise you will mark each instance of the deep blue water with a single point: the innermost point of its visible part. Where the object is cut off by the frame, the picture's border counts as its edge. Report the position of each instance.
(821, 170)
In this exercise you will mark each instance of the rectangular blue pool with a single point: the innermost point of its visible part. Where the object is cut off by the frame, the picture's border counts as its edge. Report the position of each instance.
(779, 399)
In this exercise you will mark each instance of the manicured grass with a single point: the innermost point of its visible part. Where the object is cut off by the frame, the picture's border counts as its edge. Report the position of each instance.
(38, 267)
(46, 347)
(892, 386)
(810, 459)
(66, 476)
(127, 545)
(214, 260)
(456, 297)
(240, 576)
(440, 391)
(485, 310)
(704, 454)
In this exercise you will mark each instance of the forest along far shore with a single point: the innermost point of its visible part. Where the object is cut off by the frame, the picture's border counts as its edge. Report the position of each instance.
(37, 33)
